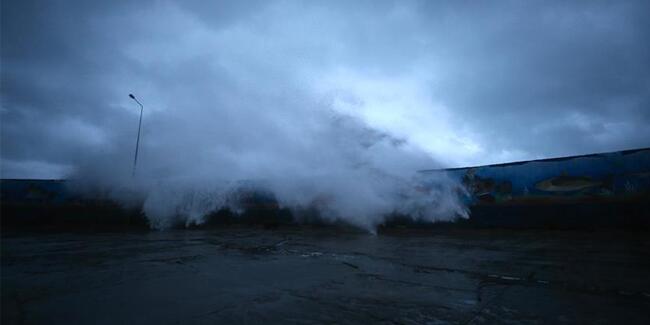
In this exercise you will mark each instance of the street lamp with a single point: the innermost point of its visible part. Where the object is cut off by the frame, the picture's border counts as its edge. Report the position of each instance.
(137, 143)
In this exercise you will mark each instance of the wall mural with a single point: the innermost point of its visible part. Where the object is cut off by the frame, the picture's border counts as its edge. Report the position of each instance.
(609, 176)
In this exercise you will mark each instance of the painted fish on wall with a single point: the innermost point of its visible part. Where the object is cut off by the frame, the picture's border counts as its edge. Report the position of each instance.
(566, 183)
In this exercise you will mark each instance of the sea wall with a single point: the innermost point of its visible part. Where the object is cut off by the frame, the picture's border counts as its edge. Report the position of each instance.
(579, 191)
(590, 191)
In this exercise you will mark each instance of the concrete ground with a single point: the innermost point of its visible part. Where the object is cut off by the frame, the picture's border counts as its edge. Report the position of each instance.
(308, 275)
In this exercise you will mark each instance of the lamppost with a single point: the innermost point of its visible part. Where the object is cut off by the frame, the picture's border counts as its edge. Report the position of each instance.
(137, 143)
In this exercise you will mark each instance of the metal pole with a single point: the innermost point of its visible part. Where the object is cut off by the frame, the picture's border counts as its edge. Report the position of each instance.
(137, 143)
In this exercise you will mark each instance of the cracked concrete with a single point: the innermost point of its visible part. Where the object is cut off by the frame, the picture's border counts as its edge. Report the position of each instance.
(309, 275)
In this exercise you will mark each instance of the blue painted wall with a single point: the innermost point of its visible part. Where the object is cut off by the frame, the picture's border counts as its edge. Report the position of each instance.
(608, 176)
(34, 191)
(600, 190)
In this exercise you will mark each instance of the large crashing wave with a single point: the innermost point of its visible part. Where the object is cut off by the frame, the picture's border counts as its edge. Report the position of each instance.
(192, 161)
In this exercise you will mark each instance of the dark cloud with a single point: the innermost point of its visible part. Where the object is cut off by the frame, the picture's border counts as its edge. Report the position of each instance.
(471, 82)
(553, 79)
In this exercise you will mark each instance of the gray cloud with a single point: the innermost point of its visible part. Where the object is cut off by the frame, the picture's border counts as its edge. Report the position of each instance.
(261, 83)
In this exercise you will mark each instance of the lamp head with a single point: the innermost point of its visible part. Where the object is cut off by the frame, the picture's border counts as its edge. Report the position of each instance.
(131, 95)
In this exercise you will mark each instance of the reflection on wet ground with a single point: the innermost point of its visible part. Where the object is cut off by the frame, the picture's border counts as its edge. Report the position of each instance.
(307, 275)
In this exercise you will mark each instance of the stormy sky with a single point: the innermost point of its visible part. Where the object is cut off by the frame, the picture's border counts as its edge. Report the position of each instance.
(464, 82)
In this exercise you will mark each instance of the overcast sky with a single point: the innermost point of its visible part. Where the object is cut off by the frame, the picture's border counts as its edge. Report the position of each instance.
(469, 82)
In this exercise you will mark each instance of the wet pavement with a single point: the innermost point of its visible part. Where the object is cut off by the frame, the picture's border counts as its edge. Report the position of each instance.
(311, 275)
